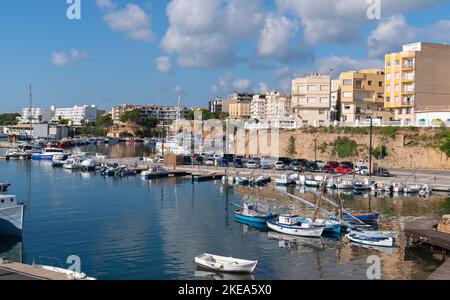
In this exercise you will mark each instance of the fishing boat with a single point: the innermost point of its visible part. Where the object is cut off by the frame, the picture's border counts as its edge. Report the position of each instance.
(361, 186)
(11, 216)
(332, 226)
(284, 180)
(388, 242)
(331, 184)
(4, 187)
(262, 180)
(411, 189)
(71, 275)
(48, 154)
(242, 180)
(376, 234)
(59, 160)
(72, 164)
(312, 182)
(344, 185)
(291, 225)
(364, 217)
(251, 214)
(88, 165)
(398, 187)
(225, 264)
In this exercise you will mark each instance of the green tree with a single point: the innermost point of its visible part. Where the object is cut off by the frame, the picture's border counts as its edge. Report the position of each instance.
(133, 116)
(104, 121)
(346, 147)
(445, 146)
(380, 152)
(291, 150)
(9, 119)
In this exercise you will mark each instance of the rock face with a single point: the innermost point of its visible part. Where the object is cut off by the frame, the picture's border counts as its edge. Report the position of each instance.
(403, 151)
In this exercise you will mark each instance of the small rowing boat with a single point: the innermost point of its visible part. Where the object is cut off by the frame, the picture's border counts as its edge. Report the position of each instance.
(388, 242)
(374, 233)
(364, 217)
(291, 225)
(225, 264)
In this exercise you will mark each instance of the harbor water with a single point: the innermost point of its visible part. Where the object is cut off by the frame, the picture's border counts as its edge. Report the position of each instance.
(129, 228)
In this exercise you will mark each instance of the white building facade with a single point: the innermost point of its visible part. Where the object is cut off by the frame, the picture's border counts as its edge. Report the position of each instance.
(36, 114)
(76, 115)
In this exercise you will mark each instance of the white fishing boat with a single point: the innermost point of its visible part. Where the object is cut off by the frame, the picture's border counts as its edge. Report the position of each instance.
(312, 182)
(412, 189)
(88, 165)
(72, 164)
(284, 180)
(225, 264)
(291, 225)
(398, 187)
(425, 190)
(376, 234)
(11, 216)
(344, 185)
(389, 242)
(71, 275)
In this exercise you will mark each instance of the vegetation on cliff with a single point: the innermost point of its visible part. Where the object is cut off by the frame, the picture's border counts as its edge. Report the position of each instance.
(346, 147)
(8, 119)
(291, 150)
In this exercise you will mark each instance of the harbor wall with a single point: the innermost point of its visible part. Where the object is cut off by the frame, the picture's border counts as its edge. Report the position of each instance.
(402, 151)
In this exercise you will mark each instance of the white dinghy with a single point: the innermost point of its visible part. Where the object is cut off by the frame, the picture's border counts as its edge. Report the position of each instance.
(388, 242)
(225, 264)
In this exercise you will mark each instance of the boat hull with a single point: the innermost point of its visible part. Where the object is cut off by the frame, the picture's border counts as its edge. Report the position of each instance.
(254, 219)
(389, 242)
(11, 220)
(222, 264)
(296, 230)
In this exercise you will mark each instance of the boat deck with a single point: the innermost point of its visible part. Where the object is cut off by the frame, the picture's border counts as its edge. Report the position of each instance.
(18, 271)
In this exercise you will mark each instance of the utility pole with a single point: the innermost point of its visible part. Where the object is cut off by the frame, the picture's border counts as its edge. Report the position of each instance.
(31, 111)
(315, 149)
(330, 94)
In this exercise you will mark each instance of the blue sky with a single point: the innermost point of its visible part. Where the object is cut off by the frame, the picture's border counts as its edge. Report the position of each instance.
(151, 51)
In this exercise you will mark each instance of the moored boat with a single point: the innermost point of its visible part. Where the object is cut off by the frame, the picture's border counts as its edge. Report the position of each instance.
(284, 180)
(377, 234)
(290, 225)
(364, 217)
(11, 216)
(4, 187)
(384, 242)
(249, 213)
(225, 264)
(412, 189)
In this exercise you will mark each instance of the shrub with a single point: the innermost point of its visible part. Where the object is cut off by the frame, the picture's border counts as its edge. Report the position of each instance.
(346, 147)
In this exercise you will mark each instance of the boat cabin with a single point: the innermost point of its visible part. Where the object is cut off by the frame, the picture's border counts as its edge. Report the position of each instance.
(7, 201)
(288, 220)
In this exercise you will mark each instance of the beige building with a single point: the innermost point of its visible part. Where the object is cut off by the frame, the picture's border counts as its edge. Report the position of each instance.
(362, 96)
(238, 105)
(279, 106)
(311, 100)
(258, 107)
(417, 83)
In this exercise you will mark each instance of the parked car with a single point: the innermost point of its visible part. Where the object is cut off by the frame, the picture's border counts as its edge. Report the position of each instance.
(362, 170)
(229, 157)
(279, 165)
(329, 169)
(267, 162)
(254, 163)
(199, 160)
(223, 162)
(321, 164)
(295, 165)
(332, 164)
(344, 168)
(311, 166)
(187, 160)
(286, 160)
(381, 172)
(238, 163)
(210, 161)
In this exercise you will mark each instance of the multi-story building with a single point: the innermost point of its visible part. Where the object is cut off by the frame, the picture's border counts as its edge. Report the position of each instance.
(258, 107)
(36, 114)
(279, 106)
(335, 100)
(161, 113)
(362, 96)
(76, 115)
(311, 103)
(417, 83)
(238, 105)
(215, 106)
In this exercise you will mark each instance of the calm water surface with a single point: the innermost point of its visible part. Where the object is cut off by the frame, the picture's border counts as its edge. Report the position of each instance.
(128, 228)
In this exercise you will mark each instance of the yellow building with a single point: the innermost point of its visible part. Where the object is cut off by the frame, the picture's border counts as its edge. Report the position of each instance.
(362, 96)
(240, 110)
(417, 83)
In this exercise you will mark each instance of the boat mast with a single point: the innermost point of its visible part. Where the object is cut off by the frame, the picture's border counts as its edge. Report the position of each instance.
(370, 149)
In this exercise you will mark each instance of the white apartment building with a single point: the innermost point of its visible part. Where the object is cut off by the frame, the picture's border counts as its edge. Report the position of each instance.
(279, 106)
(77, 115)
(36, 114)
(158, 112)
(258, 107)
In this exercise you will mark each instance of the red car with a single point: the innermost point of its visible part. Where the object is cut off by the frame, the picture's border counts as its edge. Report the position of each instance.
(344, 168)
(333, 164)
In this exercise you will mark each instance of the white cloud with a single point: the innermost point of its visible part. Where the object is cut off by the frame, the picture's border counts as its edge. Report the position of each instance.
(132, 20)
(105, 4)
(341, 64)
(242, 85)
(275, 36)
(341, 21)
(263, 88)
(60, 59)
(201, 32)
(77, 55)
(164, 64)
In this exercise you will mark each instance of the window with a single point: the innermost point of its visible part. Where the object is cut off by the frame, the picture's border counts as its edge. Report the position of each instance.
(397, 75)
(347, 82)
(369, 83)
(347, 107)
(358, 84)
(348, 95)
(324, 100)
(397, 87)
(397, 62)
(400, 111)
(324, 87)
(312, 88)
(388, 99)
(380, 83)
(321, 112)
(311, 99)
(302, 89)
(388, 76)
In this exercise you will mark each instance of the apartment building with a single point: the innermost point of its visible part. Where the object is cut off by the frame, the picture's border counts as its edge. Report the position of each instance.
(77, 115)
(417, 83)
(238, 105)
(36, 114)
(311, 100)
(161, 113)
(258, 107)
(279, 106)
(216, 105)
(362, 96)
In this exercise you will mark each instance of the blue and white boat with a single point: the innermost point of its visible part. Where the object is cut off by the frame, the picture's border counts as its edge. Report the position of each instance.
(380, 242)
(291, 225)
(250, 214)
(332, 226)
(48, 154)
(11, 216)
(364, 217)
(361, 186)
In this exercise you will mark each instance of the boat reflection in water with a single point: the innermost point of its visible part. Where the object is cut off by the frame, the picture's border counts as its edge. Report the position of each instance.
(11, 249)
(248, 225)
(208, 275)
